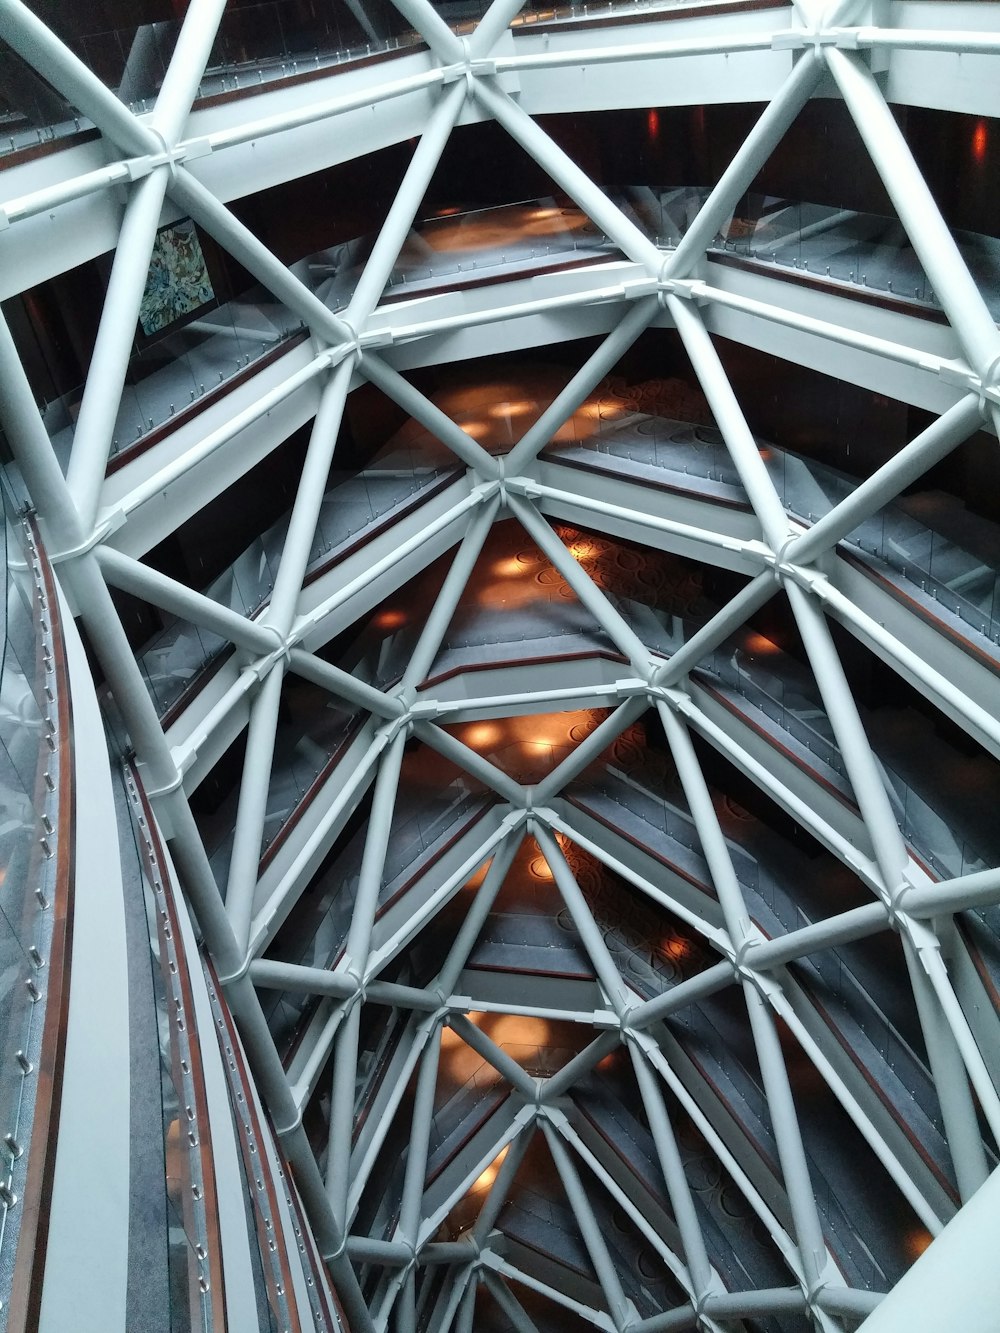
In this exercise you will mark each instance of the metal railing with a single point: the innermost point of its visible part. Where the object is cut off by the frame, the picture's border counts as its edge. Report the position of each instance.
(36, 858)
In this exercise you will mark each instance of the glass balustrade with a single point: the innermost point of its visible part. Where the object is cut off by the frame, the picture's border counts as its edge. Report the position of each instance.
(549, 1227)
(312, 726)
(353, 503)
(778, 687)
(317, 927)
(639, 803)
(32, 112)
(957, 571)
(484, 1088)
(752, 670)
(31, 789)
(413, 837)
(181, 371)
(713, 1040)
(465, 1104)
(256, 45)
(862, 251)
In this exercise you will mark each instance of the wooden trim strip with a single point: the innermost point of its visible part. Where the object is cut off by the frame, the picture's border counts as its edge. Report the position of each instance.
(899, 593)
(599, 21)
(31, 152)
(166, 428)
(313, 1267)
(364, 537)
(259, 1176)
(850, 292)
(186, 1051)
(648, 483)
(32, 1244)
(307, 75)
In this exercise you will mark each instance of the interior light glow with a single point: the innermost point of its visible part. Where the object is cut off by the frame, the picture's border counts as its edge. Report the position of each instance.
(979, 142)
(675, 947)
(511, 568)
(917, 1241)
(515, 409)
(487, 1177)
(757, 643)
(482, 734)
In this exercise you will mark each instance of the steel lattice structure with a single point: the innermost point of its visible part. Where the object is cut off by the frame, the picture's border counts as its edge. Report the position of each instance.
(153, 159)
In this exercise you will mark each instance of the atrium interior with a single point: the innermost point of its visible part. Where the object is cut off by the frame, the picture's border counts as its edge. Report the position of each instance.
(500, 698)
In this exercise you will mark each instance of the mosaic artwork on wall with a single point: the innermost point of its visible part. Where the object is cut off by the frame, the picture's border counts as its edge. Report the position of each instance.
(177, 282)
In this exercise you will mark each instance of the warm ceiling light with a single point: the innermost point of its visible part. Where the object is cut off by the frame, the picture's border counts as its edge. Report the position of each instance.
(481, 734)
(511, 567)
(518, 1034)
(917, 1241)
(475, 880)
(757, 643)
(450, 1039)
(979, 141)
(487, 1177)
(540, 868)
(476, 429)
(515, 409)
(389, 620)
(675, 947)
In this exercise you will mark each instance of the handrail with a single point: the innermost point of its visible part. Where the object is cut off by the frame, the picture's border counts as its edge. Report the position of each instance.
(59, 794)
(199, 1195)
(259, 1176)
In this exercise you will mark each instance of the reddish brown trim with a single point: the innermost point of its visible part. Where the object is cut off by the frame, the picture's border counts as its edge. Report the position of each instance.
(418, 293)
(471, 822)
(978, 961)
(340, 553)
(791, 755)
(373, 1088)
(876, 1087)
(643, 847)
(503, 1093)
(305, 76)
(918, 609)
(508, 970)
(312, 1261)
(507, 662)
(649, 483)
(171, 946)
(321, 777)
(272, 1243)
(167, 428)
(32, 1242)
(389, 519)
(31, 152)
(659, 1199)
(651, 16)
(866, 295)
(200, 682)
